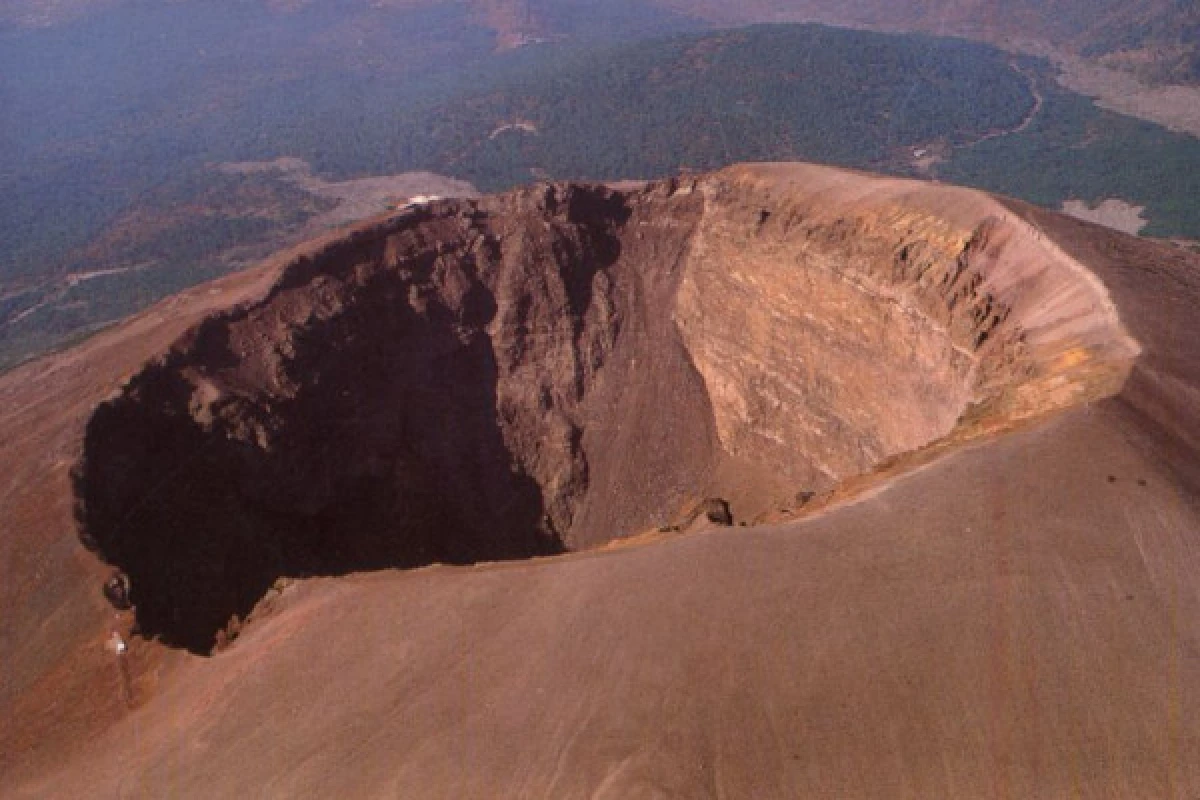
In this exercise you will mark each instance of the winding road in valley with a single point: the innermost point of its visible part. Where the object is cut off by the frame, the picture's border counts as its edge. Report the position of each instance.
(1039, 100)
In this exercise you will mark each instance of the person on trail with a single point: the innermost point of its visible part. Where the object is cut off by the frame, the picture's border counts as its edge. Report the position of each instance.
(119, 647)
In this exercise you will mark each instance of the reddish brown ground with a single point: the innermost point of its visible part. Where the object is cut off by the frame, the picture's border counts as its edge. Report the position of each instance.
(1008, 608)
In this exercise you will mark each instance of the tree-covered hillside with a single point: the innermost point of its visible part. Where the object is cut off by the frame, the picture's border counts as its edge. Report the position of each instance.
(806, 92)
(911, 104)
(1074, 150)
(113, 174)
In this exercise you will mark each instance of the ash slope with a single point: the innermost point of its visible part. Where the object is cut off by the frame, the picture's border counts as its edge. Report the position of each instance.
(1018, 617)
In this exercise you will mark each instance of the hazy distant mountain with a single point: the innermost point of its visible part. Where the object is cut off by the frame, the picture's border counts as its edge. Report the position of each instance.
(514, 22)
(1158, 39)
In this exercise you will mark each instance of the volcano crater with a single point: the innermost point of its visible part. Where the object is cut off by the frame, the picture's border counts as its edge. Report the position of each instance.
(565, 365)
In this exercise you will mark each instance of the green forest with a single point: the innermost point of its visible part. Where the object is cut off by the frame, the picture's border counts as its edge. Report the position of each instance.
(700, 102)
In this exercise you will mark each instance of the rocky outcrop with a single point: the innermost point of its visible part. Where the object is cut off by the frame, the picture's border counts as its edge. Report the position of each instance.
(564, 365)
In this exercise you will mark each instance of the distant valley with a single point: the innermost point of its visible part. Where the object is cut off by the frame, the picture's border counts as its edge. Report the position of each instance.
(112, 192)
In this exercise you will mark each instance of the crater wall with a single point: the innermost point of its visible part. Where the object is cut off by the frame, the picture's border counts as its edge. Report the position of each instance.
(564, 365)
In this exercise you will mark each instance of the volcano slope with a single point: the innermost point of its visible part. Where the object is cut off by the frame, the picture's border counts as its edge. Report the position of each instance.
(962, 431)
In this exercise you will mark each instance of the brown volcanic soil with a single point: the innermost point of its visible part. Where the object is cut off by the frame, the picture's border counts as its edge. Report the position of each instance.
(1011, 607)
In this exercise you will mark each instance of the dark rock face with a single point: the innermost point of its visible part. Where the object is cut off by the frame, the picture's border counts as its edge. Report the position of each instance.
(717, 511)
(554, 368)
(411, 395)
(116, 591)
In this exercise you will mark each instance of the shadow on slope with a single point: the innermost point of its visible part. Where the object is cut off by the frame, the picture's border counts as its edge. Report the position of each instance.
(374, 443)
